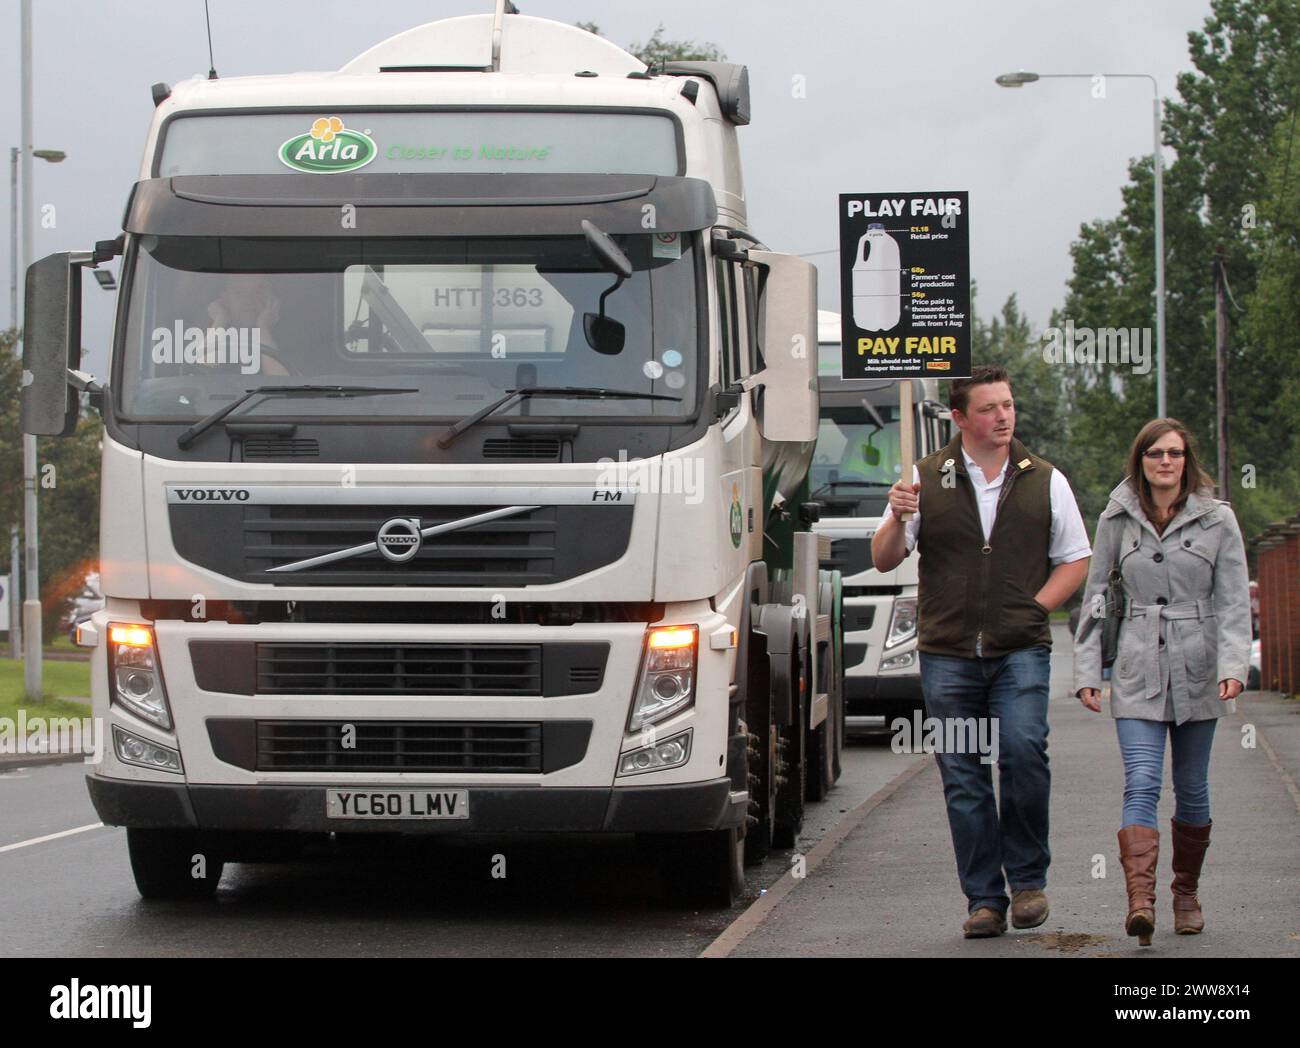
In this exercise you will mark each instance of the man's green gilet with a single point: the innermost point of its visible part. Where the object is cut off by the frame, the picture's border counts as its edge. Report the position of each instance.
(971, 589)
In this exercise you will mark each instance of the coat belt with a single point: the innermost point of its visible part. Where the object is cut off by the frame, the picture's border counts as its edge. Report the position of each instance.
(1177, 613)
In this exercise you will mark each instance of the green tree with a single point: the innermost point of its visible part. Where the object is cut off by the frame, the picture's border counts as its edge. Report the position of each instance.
(657, 49)
(67, 493)
(1225, 129)
(1007, 339)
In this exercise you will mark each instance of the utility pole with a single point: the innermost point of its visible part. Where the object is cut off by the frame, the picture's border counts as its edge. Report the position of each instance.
(1221, 367)
(32, 603)
(15, 582)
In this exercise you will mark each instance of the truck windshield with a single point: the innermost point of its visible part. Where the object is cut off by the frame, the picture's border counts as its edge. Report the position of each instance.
(459, 321)
(855, 461)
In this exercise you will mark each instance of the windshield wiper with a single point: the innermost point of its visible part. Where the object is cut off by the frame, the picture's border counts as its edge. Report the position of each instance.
(203, 425)
(456, 429)
(851, 484)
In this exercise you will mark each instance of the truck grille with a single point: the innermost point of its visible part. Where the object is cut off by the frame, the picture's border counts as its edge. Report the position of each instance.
(407, 669)
(399, 746)
(544, 545)
(549, 670)
(463, 747)
(850, 556)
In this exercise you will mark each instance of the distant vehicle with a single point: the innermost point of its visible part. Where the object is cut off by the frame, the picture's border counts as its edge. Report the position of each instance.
(83, 605)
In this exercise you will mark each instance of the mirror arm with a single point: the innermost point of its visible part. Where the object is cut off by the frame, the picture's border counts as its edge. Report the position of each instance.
(725, 247)
(83, 382)
(607, 292)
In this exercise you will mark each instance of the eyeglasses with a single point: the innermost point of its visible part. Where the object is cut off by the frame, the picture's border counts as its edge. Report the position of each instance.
(1155, 456)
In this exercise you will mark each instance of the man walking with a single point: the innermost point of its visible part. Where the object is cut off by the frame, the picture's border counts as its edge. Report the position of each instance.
(1002, 545)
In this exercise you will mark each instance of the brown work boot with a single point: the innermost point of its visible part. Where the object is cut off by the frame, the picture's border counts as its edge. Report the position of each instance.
(1029, 907)
(984, 923)
(1190, 844)
(1139, 847)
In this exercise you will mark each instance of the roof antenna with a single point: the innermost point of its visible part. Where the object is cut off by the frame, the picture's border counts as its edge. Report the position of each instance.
(212, 66)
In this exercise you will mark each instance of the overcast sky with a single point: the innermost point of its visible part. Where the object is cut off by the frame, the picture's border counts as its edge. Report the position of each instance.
(899, 96)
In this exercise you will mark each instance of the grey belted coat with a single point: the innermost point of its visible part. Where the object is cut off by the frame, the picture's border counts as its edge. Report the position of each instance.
(1187, 625)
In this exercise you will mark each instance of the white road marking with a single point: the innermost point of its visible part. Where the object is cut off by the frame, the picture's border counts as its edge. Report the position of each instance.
(51, 837)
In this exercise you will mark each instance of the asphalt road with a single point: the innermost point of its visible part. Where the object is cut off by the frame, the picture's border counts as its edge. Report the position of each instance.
(73, 895)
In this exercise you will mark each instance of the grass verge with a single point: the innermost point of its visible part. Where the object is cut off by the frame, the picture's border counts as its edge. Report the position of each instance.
(62, 681)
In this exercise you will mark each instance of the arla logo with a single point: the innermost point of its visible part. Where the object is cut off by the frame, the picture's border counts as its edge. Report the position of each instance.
(328, 148)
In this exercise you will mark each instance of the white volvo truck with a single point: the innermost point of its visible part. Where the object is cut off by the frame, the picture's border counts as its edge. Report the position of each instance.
(857, 459)
(455, 432)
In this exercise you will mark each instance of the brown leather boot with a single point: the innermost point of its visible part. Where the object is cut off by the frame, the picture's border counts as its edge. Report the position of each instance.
(1139, 847)
(1190, 844)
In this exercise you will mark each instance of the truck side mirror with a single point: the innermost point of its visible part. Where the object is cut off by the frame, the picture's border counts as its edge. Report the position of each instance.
(51, 344)
(787, 319)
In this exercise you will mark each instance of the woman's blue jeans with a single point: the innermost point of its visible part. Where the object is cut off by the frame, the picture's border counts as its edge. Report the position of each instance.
(1142, 743)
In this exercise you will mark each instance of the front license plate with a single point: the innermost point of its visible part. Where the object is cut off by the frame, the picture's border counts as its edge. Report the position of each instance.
(397, 804)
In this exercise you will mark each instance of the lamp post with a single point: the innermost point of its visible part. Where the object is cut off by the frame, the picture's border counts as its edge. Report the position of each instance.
(52, 156)
(1019, 80)
(32, 604)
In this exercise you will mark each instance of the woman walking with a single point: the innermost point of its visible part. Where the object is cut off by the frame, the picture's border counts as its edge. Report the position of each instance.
(1183, 653)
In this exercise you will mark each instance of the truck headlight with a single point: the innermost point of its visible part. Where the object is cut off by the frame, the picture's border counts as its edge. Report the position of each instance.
(898, 662)
(667, 683)
(670, 753)
(903, 625)
(134, 677)
(131, 749)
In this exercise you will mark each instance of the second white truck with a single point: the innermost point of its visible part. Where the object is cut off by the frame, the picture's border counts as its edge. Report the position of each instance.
(858, 457)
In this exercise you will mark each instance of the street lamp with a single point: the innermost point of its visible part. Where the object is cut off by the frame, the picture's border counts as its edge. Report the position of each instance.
(1019, 79)
(52, 156)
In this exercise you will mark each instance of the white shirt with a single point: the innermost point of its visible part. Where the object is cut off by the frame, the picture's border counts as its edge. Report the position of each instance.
(1069, 541)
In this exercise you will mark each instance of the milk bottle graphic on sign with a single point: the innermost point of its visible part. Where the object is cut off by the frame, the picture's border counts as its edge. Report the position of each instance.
(877, 281)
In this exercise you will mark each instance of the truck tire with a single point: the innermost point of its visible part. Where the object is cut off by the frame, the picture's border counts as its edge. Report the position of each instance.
(705, 869)
(163, 862)
(762, 755)
(826, 740)
(792, 755)
(837, 697)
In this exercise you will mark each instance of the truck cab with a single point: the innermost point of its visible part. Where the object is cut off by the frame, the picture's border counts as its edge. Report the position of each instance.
(857, 459)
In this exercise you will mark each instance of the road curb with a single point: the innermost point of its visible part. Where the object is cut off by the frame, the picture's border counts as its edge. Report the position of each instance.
(9, 762)
(743, 926)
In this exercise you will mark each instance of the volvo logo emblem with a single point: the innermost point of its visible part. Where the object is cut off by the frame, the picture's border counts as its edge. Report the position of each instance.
(399, 539)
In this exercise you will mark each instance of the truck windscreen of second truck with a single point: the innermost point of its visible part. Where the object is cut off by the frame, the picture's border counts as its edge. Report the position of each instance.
(855, 461)
(461, 320)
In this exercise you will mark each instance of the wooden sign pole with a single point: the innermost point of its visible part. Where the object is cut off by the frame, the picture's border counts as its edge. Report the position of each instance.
(906, 439)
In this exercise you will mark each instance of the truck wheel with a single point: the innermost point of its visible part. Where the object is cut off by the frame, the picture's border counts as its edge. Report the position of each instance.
(826, 741)
(824, 747)
(837, 703)
(793, 765)
(837, 679)
(706, 868)
(165, 862)
(762, 755)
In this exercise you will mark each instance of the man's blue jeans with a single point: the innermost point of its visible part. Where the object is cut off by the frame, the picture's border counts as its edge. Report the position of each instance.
(1013, 690)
